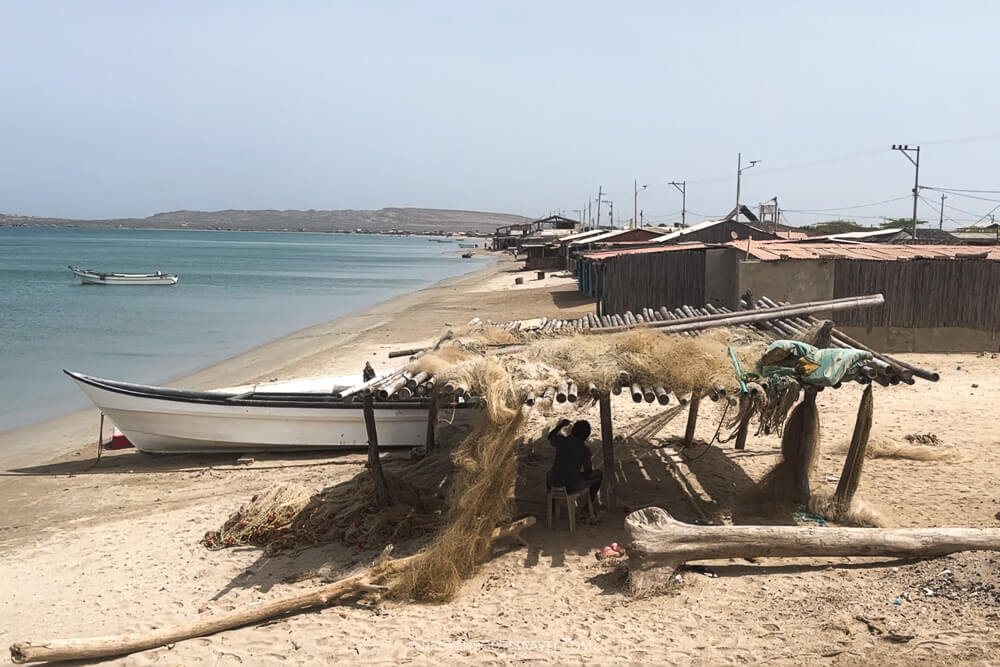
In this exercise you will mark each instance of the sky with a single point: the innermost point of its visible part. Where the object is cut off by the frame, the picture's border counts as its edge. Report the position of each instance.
(125, 109)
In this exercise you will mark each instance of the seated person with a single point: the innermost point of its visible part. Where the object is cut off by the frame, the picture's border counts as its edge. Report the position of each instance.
(572, 467)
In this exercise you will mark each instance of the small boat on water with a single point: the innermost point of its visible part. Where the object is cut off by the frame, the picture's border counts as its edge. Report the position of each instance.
(466, 255)
(293, 416)
(89, 277)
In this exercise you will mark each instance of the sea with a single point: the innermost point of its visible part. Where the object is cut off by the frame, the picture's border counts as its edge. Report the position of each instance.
(237, 290)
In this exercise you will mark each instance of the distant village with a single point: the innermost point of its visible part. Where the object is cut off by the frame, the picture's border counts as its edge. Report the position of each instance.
(937, 284)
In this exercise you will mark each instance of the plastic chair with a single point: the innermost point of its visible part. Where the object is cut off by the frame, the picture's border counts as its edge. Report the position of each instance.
(559, 493)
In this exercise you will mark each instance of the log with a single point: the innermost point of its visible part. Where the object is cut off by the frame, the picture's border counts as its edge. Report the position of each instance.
(741, 433)
(365, 581)
(687, 323)
(391, 387)
(432, 417)
(561, 391)
(104, 647)
(374, 462)
(405, 353)
(662, 395)
(351, 391)
(609, 491)
(658, 540)
(417, 379)
(692, 422)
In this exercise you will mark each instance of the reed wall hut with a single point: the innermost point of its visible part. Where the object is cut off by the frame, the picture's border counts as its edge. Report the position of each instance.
(938, 298)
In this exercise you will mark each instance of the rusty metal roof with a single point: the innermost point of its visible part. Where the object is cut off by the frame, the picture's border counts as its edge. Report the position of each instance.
(604, 254)
(768, 251)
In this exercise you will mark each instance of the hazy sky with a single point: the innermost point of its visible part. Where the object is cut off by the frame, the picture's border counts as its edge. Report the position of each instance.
(130, 108)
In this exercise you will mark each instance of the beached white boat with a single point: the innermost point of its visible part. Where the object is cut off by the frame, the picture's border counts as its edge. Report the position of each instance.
(88, 277)
(468, 245)
(162, 420)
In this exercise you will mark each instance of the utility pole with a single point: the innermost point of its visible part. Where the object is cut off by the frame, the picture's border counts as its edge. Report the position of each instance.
(590, 218)
(635, 202)
(906, 150)
(600, 194)
(739, 173)
(682, 186)
(611, 213)
(941, 217)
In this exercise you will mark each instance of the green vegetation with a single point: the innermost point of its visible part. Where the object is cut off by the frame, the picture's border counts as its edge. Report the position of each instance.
(832, 227)
(901, 223)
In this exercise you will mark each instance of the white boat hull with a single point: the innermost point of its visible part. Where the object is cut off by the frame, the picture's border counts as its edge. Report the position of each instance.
(173, 426)
(88, 277)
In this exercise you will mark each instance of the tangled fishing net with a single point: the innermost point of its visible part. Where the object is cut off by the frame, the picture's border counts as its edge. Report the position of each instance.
(290, 516)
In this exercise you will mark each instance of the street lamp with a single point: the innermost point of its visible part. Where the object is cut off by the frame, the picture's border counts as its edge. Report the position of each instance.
(906, 150)
(739, 173)
(635, 203)
(682, 188)
(611, 207)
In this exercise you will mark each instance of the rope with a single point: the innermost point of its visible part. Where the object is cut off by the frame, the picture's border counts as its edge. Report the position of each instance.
(100, 444)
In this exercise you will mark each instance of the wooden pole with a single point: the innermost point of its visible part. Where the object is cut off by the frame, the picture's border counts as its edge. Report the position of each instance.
(689, 323)
(365, 581)
(658, 540)
(745, 414)
(692, 418)
(374, 462)
(851, 475)
(432, 416)
(608, 446)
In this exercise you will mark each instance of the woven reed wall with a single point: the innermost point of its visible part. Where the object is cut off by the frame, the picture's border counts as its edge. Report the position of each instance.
(669, 279)
(922, 292)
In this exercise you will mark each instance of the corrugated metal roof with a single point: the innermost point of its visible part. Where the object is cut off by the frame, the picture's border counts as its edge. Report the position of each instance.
(580, 235)
(649, 250)
(667, 238)
(611, 234)
(768, 252)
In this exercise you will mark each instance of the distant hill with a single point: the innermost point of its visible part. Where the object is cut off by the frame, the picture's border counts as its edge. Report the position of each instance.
(408, 220)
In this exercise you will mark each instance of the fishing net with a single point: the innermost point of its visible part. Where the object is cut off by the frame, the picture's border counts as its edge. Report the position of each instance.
(290, 516)
(482, 495)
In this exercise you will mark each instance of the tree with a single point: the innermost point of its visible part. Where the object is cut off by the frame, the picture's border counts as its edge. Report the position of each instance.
(832, 227)
(900, 223)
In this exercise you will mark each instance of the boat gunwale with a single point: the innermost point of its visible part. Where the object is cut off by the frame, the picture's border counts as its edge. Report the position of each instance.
(321, 401)
(111, 274)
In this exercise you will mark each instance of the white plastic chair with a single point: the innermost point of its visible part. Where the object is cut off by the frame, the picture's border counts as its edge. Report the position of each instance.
(559, 493)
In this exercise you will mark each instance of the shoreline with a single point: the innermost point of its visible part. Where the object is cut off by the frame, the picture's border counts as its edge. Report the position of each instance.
(118, 543)
(284, 356)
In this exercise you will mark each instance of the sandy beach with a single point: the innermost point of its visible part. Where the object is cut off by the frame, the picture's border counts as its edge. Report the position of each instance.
(95, 550)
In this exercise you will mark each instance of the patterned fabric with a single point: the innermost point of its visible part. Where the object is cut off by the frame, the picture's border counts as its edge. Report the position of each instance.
(825, 367)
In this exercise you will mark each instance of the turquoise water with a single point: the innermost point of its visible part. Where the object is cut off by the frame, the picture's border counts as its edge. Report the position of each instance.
(237, 290)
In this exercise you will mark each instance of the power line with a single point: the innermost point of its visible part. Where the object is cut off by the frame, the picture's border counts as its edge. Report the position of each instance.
(959, 194)
(963, 140)
(928, 187)
(846, 208)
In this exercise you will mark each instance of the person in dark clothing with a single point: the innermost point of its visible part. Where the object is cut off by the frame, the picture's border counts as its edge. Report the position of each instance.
(368, 373)
(572, 467)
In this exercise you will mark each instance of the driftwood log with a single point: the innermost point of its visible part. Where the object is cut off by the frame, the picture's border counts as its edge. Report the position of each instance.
(656, 540)
(369, 580)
